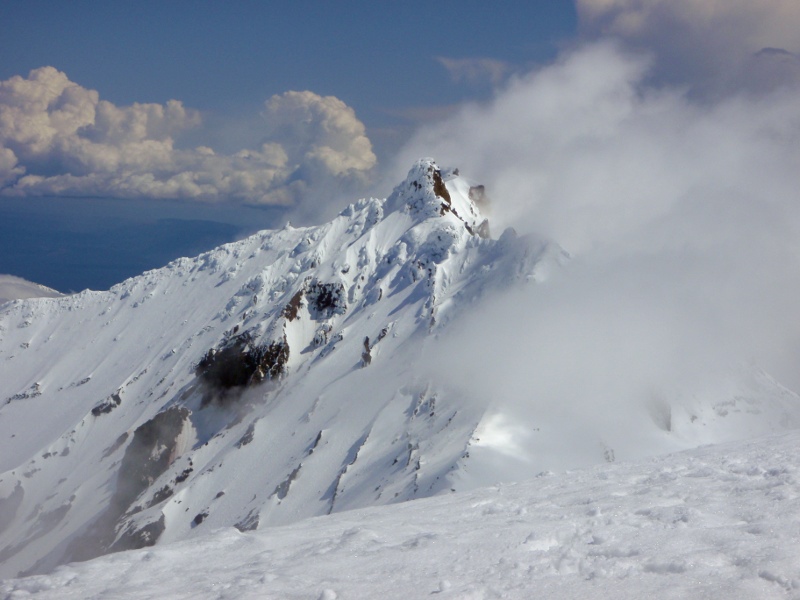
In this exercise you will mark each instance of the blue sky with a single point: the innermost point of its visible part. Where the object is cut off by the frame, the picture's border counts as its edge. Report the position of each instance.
(226, 59)
(209, 120)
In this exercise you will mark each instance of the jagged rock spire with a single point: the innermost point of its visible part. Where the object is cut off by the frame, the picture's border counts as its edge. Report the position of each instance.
(426, 193)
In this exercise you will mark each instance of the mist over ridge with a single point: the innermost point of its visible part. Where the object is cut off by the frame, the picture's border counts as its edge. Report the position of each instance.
(681, 219)
(594, 260)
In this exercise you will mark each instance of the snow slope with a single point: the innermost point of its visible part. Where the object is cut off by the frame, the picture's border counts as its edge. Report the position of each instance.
(117, 432)
(16, 288)
(719, 523)
(112, 441)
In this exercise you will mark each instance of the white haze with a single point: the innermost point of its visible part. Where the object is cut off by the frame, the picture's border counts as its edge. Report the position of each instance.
(683, 222)
(713, 46)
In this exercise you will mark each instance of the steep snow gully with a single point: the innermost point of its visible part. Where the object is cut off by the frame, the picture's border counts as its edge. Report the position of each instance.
(267, 381)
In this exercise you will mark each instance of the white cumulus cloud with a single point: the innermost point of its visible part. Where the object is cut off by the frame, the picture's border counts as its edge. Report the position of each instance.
(9, 169)
(321, 131)
(59, 138)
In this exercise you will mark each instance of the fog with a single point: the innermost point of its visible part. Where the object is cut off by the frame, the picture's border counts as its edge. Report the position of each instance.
(682, 219)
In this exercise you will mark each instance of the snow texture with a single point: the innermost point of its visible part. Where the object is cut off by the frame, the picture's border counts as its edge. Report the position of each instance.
(88, 378)
(719, 522)
(286, 377)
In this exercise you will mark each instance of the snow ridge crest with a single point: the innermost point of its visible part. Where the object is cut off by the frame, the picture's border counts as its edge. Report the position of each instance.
(291, 355)
(425, 195)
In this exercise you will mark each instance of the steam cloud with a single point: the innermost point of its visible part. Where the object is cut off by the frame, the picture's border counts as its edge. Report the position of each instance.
(683, 221)
(58, 138)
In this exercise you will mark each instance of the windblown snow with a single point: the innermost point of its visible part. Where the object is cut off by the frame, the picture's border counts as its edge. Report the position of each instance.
(286, 376)
(16, 288)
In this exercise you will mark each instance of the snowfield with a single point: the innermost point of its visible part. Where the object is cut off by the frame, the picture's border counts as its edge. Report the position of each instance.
(716, 522)
(254, 420)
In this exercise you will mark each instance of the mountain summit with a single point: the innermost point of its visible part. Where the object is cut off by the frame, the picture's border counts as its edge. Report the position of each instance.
(275, 378)
(267, 380)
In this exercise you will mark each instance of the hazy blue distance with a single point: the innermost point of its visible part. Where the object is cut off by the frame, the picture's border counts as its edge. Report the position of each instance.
(71, 244)
(226, 59)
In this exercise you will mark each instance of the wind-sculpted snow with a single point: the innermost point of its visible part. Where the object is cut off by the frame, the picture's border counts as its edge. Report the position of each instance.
(306, 431)
(290, 375)
(719, 522)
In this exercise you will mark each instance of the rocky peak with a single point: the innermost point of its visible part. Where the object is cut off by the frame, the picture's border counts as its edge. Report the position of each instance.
(430, 192)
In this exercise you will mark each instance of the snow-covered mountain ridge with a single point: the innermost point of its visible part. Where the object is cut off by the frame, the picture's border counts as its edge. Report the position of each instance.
(281, 377)
(112, 438)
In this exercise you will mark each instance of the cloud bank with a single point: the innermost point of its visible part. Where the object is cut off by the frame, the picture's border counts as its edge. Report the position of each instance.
(714, 46)
(58, 138)
(683, 220)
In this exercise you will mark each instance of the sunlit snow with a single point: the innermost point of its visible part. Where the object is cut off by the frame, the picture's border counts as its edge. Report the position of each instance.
(371, 387)
(720, 522)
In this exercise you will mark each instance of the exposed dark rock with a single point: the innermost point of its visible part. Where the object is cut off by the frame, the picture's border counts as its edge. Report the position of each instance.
(322, 335)
(291, 309)
(382, 334)
(248, 436)
(107, 405)
(282, 489)
(142, 537)
(317, 440)
(366, 355)
(326, 299)
(249, 523)
(241, 362)
(199, 518)
(153, 448)
(161, 495)
(151, 451)
(439, 187)
(184, 475)
(33, 391)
